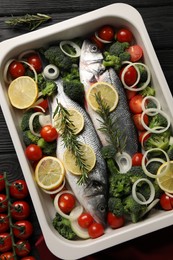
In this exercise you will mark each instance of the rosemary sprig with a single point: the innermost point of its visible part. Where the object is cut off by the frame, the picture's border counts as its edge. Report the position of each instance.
(71, 142)
(109, 126)
(32, 21)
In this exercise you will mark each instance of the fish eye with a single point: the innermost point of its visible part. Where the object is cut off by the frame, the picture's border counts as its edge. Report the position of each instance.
(101, 208)
(93, 48)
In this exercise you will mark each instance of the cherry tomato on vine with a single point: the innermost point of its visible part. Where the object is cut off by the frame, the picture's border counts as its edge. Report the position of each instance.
(138, 122)
(16, 69)
(28, 258)
(4, 222)
(85, 220)
(2, 182)
(20, 210)
(66, 202)
(96, 41)
(49, 133)
(114, 221)
(135, 104)
(106, 33)
(43, 104)
(23, 229)
(137, 159)
(3, 203)
(130, 75)
(95, 230)
(7, 256)
(124, 35)
(136, 53)
(5, 242)
(166, 202)
(18, 189)
(35, 61)
(23, 248)
(33, 152)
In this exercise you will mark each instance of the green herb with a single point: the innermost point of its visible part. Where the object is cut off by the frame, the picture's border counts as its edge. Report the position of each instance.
(32, 21)
(71, 142)
(109, 126)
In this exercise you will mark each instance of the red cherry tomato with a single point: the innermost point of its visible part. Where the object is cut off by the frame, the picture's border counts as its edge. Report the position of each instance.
(33, 152)
(7, 256)
(2, 182)
(66, 202)
(96, 41)
(28, 258)
(106, 33)
(49, 133)
(5, 242)
(19, 189)
(23, 248)
(135, 104)
(35, 61)
(114, 221)
(16, 69)
(137, 159)
(130, 94)
(138, 123)
(130, 75)
(136, 53)
(20, 210)
(166, 202)
(85, 220)
(4, 222)
(141, 138)
(43, 104)
(23, 229)
(3, 203)
(124, 35)
(95, 230)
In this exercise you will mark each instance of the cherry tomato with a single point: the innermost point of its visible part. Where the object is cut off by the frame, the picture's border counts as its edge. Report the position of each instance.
(137, 159)
(85, 220)
(137, 121)
(35, 61)
(96, 41)
(16, 69)
(95, 230)
(3, 203)
(4, 222)
(43, 104)
(135, 104)
(7, 256)
(23, 229)
(19, 189)
(33, 152)
(114, 221)
(23, 248)
(49, 133)
(2, 182)
(166, 202)
(5, 242)
(106, 33)
(136, 53)
(20, 210)
(141, 138)
(124, 35)
(130, 76)
(130, 94)
(28, 258)
(66, 202)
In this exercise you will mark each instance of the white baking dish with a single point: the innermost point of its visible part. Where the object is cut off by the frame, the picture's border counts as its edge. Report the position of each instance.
(120, 15)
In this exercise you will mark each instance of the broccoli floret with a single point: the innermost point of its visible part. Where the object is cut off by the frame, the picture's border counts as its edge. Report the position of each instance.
(63, 226)
(132, 209)
(148, 91)
(115, 206)
(158, 120)
(143, 72)
(25, 121)
(48, 148)
(111, 61)
(124, 56)
(117, 48)
(29, 138)
(46, 86)
(153, 167)
(146, 191)
(158, 141)
(136, 173)
(170, 152)
(119, 185)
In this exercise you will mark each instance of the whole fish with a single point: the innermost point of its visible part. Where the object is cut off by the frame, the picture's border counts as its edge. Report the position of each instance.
(92, 194)
(91, 71)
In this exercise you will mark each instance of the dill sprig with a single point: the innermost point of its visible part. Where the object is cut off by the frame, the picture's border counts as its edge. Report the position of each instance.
(71, 142)
(109, 126)
(32, 21)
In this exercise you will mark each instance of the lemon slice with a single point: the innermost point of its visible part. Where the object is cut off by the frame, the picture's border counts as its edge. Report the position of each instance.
(75, 117)
(49, 173)
(166, 180)
(23, 92)
(88, 155)
(108, 94)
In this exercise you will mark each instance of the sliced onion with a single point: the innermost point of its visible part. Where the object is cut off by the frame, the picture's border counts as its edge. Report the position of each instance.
(51, 72)
(156, 101)
(80, 232)
(143, 137)
(25, 53)
(124, 161)
(136, 197)
(151, 206)
(149, 174)
(74, 45)
(148, 111)
(76, 212)
(57, 190)
(100, 39)
(6, 75)
(31, 123)
(31, 67)
(45, 120)
(171, 140)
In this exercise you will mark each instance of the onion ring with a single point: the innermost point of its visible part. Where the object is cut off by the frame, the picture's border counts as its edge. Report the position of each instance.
(134, 193)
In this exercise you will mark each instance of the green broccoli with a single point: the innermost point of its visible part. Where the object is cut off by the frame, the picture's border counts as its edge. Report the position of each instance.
(25, 121)
(115, 206)
(153, 167)
(158, 120)
(143, 73)
(158, 141)
(63, 226)
(136, 173)
(146, 191)
(111, 61)
(46, 86)
(148, 91)
(29, 138)
(117, 48)
(132, 209)
(48, 148)
(119, 185)
(124, 56)
(170, 152)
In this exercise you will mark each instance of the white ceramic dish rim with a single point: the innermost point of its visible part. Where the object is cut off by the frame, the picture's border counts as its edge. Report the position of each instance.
(123, 14)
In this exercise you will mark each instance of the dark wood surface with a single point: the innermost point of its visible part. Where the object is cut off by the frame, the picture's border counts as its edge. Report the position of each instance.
(158, 18)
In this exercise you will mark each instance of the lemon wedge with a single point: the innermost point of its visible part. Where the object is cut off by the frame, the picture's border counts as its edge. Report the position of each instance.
(166, 180)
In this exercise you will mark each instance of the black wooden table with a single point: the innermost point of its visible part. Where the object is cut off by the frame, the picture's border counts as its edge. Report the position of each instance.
(158, 18)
